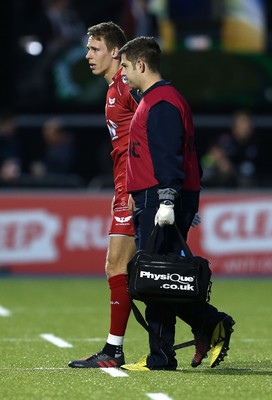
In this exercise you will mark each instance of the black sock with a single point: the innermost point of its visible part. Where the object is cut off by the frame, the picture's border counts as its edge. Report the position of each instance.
(112, 350)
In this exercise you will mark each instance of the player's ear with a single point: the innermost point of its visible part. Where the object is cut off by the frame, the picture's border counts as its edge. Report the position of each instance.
(115, 52)
(141, 65)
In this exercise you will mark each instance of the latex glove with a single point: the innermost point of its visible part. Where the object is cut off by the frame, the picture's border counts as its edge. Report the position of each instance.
(165, 214)
(196, 221)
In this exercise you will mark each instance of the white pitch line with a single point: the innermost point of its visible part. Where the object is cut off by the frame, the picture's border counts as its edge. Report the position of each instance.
(158, 396)
(35, 369)
(116, 373)
(4, 312)
(96, 339)
(55, 340)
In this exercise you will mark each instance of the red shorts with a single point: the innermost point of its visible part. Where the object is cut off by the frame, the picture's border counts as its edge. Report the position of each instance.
(122, 222)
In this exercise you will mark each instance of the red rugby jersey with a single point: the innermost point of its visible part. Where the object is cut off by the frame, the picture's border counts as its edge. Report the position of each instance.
(119, 110)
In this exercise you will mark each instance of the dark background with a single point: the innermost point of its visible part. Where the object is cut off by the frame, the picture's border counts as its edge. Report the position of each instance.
(215, 83)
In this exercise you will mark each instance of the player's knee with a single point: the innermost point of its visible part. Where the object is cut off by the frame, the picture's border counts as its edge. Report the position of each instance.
(114, 267)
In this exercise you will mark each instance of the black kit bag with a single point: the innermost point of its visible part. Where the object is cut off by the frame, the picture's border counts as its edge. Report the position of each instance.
(169, 277)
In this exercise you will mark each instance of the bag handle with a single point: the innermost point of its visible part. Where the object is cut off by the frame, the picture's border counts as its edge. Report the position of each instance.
(154, 237)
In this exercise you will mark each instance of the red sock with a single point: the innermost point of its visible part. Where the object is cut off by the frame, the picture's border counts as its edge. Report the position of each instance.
(120, 304)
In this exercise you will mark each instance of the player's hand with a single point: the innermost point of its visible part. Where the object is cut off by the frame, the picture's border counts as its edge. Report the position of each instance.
(165, 214)
(196, 221)
(131, 204)
(112, 204)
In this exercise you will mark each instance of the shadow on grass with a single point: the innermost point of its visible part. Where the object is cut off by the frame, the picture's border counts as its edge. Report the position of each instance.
(260, 368)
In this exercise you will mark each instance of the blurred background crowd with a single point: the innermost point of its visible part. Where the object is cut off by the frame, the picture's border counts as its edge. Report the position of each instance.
(217, 53)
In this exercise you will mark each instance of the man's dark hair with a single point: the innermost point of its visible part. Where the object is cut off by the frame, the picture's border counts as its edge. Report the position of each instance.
(112, 34)
(144, 48)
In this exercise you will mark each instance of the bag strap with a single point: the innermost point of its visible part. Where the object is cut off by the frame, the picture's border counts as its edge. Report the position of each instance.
(139, 317)
(154, 236)
(185, 247)
(151, 244)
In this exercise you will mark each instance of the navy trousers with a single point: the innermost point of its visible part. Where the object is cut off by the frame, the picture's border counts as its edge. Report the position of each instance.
(161, 317)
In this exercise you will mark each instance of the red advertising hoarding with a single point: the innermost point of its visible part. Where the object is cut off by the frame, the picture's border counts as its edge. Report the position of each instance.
(54, 233)
(64, 233)
(235, 233)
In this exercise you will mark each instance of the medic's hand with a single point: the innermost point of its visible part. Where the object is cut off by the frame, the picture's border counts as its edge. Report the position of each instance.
(165, 214)
(196, 221)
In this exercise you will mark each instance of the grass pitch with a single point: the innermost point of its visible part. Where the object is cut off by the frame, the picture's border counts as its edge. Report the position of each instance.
(77, 311)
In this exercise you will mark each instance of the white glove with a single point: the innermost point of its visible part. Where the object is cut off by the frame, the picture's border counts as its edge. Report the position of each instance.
(196, 221)
(165, 214)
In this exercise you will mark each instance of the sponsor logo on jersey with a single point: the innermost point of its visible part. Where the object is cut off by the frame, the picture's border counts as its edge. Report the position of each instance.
(124, 79)
(123, 220)
(112, 127)
(111, 101)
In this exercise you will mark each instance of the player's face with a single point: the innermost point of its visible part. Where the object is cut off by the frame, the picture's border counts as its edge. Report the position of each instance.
(98, 56)
(130, 72)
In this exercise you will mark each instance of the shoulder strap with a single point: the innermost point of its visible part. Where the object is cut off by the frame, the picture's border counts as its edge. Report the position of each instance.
(157, 338)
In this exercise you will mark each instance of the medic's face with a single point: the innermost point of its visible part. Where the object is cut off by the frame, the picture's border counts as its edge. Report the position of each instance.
(130, 72)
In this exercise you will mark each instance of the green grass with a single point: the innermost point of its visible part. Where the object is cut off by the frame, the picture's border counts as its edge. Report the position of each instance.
(76, 310)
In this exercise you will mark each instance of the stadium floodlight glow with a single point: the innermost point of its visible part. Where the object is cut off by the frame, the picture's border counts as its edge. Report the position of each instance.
(34, 48)
(31, 45)
(198, 42)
